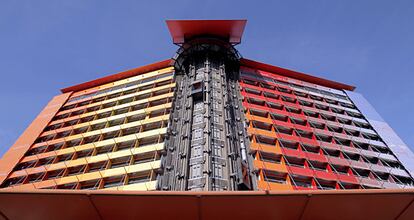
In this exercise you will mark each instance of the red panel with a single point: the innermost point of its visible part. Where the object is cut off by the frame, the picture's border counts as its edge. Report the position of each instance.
(230, 29)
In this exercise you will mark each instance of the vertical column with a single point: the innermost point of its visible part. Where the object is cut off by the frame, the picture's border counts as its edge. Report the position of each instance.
(207, 143)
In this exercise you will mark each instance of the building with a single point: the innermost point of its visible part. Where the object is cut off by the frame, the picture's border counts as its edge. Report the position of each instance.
(208, 120)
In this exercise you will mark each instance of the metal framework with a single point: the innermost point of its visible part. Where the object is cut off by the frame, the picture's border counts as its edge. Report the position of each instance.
(207, 143)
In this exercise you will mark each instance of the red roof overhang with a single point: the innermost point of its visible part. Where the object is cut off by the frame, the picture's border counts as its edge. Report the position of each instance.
(295, 75)
(241, 205)
(118, 76)
(185, 29)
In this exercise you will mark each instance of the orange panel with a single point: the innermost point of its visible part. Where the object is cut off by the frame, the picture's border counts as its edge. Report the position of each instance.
(29, 136)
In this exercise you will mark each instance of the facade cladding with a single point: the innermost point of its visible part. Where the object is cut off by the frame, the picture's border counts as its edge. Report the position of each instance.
(208, 120)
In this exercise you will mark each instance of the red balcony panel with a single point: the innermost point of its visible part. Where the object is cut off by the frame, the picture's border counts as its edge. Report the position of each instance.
(349, 149)
(338, 161)
(369, 182)
(380, 168)
(301, 171)
(294, 153)
(329, 145)
(359, 164)
(308, 141)
(321, 131)
(316, 157)
(325, 175)
(348, 178)
(287, 137)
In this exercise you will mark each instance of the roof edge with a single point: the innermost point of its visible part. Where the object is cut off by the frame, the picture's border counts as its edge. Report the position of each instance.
(118, 76)
(295, 74)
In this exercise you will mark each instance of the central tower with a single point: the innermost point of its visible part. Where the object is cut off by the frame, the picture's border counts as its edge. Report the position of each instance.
(207, 146)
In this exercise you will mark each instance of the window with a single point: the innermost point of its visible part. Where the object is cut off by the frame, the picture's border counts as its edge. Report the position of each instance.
(120, 162)
(310, 148)
(105, 149)
(35, 177)
(110, 135)
(274, 177)
(67, 186)
(45, 161)
(84, 153)
(116, 122)
(113, 181)
(279, 117)
(14, 181)
(80, 130)
(288, 144)
(76, 170)
(64, 157)
(133, 130)
(136, 118)
(97, 166)
(325, 184)
(151, 126)
(125, 145)
(86, 119)
(316, 165)
(269, 157)
(73, 143)
(25, 165)
(265, 140)
(148, 141)
(98, 126)
(89, 185)
(301, 181)
(144, 158)
(55, 174)
(91, 139)
(294, 161)
(121, 111)
(139, 177)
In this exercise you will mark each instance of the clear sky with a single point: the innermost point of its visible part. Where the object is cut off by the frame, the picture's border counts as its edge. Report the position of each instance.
(48, 45)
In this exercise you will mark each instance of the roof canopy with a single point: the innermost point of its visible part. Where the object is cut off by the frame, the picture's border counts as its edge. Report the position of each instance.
(227, 29)
(241, 205)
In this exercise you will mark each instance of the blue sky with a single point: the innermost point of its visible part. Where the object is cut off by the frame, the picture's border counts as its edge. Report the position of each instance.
(48, 45)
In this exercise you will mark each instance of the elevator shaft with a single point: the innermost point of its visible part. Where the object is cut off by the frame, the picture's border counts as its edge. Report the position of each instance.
(206, 145)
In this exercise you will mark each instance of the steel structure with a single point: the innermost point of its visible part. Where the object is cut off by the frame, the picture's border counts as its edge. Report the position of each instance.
(208, 120)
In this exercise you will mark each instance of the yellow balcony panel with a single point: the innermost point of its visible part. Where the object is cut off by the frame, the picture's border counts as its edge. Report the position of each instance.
(28, 171)
(125, 138)
(89, 176)
(114, 172)
(18, 173)
(73, 137)
(143, 166)
(44, 184)
(152, 185)
(154, 132)
(97, 158)
(84, 147)
(132, 124)
(66, 150)
(105, 142)
(110, 129)
(28, 186)
(67, 179)
(56, 166)
(121, 153)
(77, 162)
